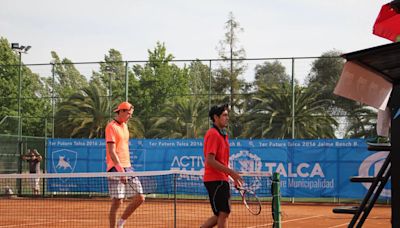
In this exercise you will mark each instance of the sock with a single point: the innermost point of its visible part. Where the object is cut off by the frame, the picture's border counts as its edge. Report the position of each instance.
(121, 222)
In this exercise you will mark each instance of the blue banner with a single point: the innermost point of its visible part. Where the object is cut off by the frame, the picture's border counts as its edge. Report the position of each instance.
(308, 168)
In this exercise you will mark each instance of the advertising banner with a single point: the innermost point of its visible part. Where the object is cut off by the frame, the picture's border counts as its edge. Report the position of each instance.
(308, 168)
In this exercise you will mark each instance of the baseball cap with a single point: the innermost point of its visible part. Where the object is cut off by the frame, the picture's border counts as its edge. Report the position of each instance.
(124, 106)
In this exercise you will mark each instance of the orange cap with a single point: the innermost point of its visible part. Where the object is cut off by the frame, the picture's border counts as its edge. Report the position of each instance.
(124, 105)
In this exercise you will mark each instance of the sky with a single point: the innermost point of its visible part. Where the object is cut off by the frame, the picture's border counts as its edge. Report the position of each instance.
(84, 30)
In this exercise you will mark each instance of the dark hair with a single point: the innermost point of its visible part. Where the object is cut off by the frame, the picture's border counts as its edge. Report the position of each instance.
(217, 110)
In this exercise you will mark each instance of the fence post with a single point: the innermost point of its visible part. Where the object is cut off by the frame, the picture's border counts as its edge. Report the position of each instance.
(293, 100)
(126, 81)
(276, 200)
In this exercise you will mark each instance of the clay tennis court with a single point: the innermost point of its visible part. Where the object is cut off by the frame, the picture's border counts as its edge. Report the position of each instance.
(50, 212)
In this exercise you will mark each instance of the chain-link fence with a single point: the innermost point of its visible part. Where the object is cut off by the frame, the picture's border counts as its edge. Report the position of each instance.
(275, 98)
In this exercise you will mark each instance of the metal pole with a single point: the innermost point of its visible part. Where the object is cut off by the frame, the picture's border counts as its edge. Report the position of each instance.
(110, 95)
(175, 200)
(126, 81)
(209, 92)
(19, 184)
(19, 97)
(44, 154)
(293, 100)
(231, 64)
(53, 102)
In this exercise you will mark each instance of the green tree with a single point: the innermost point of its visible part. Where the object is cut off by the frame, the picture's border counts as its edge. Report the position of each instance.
(199, 79)
(159, 81)
(324, 75)
(270, 73)
(227, 77)
(111, 78)
(34, 106)
(270, 117)
(68, 80)
(85, 115)
(8, 88)
(361, 123)
(182, 119)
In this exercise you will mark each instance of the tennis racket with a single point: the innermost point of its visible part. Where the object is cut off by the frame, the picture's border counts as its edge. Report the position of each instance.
(250, 200)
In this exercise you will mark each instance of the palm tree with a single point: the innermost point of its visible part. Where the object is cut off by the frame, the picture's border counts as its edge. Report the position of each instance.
(270, 115)
(85, 115)
(183, 119)
(361, 123)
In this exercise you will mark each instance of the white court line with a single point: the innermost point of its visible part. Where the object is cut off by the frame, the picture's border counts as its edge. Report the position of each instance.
(292, 220)
(28, 224)
(344, 224)
(44, 223)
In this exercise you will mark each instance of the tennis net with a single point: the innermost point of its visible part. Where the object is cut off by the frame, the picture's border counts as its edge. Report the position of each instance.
(173, 199)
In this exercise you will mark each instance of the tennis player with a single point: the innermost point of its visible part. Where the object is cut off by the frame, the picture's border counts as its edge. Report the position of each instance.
(33, 158)
(118, 160)
(216, 170)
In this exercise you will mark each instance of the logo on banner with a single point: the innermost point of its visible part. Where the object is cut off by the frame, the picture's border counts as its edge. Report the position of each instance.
(244, 161)
(371, 166)
(64, 161)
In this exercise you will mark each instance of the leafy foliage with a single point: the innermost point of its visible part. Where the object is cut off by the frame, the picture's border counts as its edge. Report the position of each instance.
(271, 115)
(159, 82)
(182, 119)
(270, 74)
(34, 105)
(85, 115)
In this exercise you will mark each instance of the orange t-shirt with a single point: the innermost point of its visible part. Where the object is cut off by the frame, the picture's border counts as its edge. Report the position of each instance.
(118, 134)
(217, 144)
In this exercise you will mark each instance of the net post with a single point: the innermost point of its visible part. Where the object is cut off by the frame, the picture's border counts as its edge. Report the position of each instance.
(276, 201)
(175, 189)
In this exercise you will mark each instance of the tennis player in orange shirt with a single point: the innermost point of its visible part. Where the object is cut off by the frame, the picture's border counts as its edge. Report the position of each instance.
(118, 160)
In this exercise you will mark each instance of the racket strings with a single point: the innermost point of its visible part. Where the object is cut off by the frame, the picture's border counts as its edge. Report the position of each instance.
(252, 203)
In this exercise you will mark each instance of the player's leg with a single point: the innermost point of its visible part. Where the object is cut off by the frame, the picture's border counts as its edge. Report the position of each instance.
(36, 187)
(136, 201)
(219, 195)
(116, 190)
(222, 219)
(115, 204)
(222, 198)
(134, 190)
(210, 222)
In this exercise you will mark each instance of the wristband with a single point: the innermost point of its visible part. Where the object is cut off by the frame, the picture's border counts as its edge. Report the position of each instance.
(119, 168)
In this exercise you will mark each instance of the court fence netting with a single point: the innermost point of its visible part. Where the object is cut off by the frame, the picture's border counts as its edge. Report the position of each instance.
(174, 198)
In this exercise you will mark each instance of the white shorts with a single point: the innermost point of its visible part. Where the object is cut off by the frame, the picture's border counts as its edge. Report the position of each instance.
(119, 190)
(34, 182)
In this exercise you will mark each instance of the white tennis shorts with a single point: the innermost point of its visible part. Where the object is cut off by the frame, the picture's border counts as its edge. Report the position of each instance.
(34, 183)
(119, 190)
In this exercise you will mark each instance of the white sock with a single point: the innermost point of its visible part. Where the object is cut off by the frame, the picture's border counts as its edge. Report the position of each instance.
(121, 222)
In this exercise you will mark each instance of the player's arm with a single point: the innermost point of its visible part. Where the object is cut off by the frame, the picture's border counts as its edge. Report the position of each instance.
(37, 156)
(211, 161)
(115, 159)
(114, 156)
(25, 157)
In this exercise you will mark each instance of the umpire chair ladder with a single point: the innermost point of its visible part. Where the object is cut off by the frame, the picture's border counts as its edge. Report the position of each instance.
(378, 182)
